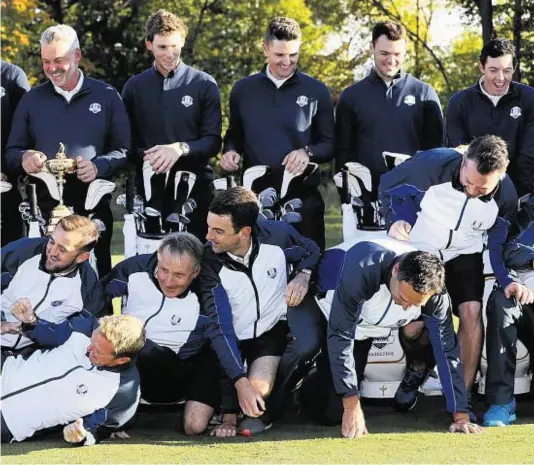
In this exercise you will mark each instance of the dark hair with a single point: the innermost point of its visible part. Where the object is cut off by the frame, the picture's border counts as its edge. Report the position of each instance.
(423, 271)
(164, 22)
(282, 28)
(239, 203)
(390, 29)
(496, 48)
(180, 243)
(490, 154)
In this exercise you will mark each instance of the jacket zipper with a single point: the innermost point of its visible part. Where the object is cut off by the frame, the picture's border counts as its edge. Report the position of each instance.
(256, 294)
(52, 277)
(40, 383)
(457, 224)
(155, 314)
(384, 314)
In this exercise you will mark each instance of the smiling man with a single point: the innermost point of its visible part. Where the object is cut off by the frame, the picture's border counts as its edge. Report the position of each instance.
(282, 118)
(450, 204)
(388, 110)
(85, 378)
(54, 274)
(369, 288)
(175, 114)
(497, 105)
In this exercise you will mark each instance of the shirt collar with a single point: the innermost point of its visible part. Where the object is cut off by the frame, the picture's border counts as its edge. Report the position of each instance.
(277, 82)
(171, 73)
(68, 94)
(243, 260)
(494, 98)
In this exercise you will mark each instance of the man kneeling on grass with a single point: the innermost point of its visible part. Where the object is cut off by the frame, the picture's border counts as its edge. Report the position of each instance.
(371, 284)
(85, 379)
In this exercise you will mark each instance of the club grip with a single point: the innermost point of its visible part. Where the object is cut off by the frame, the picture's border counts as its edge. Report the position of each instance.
(345, 191)
(31, 193)
(130, 181)
(229, 181)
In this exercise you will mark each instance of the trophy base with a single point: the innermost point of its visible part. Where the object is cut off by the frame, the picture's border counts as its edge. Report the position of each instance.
(61, 211)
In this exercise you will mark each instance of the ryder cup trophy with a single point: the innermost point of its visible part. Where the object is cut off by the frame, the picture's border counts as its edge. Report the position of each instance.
(59, 167)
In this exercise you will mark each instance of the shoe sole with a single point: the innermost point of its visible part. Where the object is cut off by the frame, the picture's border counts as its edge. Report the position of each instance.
(403, 408)
(247, 433)
(500, 424)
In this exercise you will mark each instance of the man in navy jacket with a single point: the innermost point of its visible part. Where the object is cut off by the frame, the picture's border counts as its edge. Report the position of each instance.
(87, 115)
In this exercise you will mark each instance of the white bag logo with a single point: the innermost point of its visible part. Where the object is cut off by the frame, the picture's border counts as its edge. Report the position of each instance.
(409, 100)
(95, 108)
(2, 92)
(515, 112)
(187, 101)
(302, 101)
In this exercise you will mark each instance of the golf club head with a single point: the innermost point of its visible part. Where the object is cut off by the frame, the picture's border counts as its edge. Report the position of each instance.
(291, 217)
(293, 204)
(267, 214)
(152, 212)
(189, 206)
(121, 200)
(177, 218)
(356, 202)
(268, 197)
(100, 226)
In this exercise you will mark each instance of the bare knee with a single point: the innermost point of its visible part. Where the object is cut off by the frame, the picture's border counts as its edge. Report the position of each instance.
(196, 418)
(470, 315)
(413, 331)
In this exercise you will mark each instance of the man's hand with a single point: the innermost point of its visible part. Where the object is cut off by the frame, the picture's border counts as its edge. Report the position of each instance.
(250, 400)
(75, 432)
(296, 161)
(163, 157)
(86, 170)
(228, 428)
(230, 161)
(33, 161)
(353, 421)
(466, 427)
(297, 289)
(121, 435)
(10, 327)
(522, 293)
(22, 311)
(400, 230)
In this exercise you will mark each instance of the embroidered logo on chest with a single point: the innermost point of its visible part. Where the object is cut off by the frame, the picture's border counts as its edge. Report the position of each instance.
(175, 320)
(81, 389)
(515, 112)
(271, 272)
(187, 101)
(302, 101)
(409, 100)
(401, 322)
(95, 108)
(57, 303)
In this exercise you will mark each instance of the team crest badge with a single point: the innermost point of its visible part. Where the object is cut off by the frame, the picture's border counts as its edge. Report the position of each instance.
(2, 92)
(57, 303)
(409, 100)
(187, 101)
(515, 112)
(95, 108)
(81, 389)
(401, 322)
(271, 272)
(175, 320)
(302, 101)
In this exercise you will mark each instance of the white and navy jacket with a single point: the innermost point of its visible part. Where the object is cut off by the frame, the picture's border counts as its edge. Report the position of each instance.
(253, 298)
(360, 275)
(54, 297)
(175, 323)
(59, 385)
(426, 192)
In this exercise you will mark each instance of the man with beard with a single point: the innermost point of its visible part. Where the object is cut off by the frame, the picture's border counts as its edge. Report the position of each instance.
(54, 274)
(87, 115)
(175, 114)
(497, 105)
(389, 110)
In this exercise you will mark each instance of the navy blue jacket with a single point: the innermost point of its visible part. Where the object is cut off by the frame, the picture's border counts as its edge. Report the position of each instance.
(519, 249)
(267, 123)
(185, 107)
(426, 192)
(357, 275)
(14, 85)
(94, 125)
(372, 118)
(472, 114)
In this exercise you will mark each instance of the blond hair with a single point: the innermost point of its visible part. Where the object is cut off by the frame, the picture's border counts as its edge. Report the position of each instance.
(125, 333)
(164, 23)
(83, 226)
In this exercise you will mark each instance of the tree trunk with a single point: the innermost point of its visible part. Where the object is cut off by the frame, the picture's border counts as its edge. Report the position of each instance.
(517, 38)
(486, 17)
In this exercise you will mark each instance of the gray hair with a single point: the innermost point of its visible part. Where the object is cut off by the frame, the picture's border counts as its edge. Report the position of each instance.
(180, 243)
(60, 33)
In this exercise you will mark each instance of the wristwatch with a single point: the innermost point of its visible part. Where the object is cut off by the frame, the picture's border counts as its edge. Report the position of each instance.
(308, 151)
(306, 271)
(184, 146)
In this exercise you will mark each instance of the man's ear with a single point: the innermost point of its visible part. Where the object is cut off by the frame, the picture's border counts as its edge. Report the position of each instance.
(481, 67)
(149, 45)
(265, 48)
(122, 360)
(83, 257)
(395, 269)
(197, 271)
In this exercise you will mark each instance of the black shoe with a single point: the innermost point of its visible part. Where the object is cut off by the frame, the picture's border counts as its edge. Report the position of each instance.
(406, 395)
(250, 426)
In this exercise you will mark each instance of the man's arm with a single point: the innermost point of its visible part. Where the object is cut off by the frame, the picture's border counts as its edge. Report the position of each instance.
(323, 129)
(208, 144)
(118, 139)
(300, 251)
(91, 290)
(48, 334)
(432, 122)
(437, 317)
(344, 131)
(20, 137)
(457, 128)
(136, 153)
(234, 138)
(525, 150)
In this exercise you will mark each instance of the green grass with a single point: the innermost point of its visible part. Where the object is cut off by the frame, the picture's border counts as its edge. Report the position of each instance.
(418, 437)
